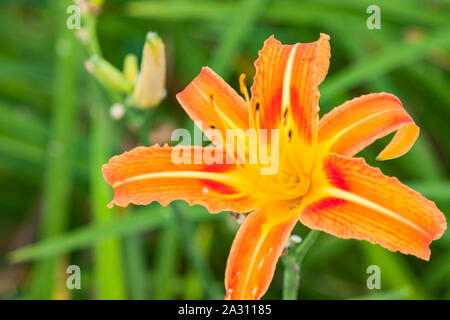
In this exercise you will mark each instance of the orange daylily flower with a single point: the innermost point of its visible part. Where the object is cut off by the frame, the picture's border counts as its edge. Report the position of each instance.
(318, 181)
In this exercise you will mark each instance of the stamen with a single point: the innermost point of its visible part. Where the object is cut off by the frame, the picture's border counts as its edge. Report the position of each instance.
(244, 91)
(243, 87)
(256, 125)
(289, 135)
(254, 117)
(227, 123)
(222, 115)
(284, 116)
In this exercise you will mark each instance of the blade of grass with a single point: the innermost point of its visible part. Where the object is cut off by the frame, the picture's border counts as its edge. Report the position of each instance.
(285, 12)
(145, 219)
(396, 294)
(58, 182)
(196, 256)
(435, 190)
(23, 136)
(395, 272)
(22, 125)
(167, 260)
(180, 10)
(135, 266)
(438, 274)
(19, 156)
(21, 150)
(241, 25)
(400, 11)
(388, 59)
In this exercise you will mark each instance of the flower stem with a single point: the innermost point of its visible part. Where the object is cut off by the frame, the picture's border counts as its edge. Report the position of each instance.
(108, 254)
(292, 263)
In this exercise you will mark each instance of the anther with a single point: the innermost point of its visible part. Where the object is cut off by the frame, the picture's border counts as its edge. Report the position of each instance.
(284, 115)
(289, 135)
(257, 107)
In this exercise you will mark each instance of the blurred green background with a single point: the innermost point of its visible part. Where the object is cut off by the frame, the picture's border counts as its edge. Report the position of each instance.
(56, 132)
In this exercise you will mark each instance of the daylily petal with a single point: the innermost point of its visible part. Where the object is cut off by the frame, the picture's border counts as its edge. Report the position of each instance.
(287, 76)
(147, 174)
(285, 91)
(351, 199)
(357, 123)
(209, 99)
(256, 250)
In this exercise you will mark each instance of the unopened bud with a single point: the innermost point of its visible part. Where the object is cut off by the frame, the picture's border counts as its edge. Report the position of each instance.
(108, 75)
(130, 68)
(150, 88)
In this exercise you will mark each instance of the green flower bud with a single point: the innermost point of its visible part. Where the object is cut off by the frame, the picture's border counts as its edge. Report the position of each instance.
(108, 75)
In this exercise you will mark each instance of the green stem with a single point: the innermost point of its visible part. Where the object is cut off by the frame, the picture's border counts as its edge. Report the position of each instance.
(91, 28)
(93, 48)
(292, 263)
(135, 266)
(107, 254)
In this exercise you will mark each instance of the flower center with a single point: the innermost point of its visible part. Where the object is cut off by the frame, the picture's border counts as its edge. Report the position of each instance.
(297, 185)
(293, 187)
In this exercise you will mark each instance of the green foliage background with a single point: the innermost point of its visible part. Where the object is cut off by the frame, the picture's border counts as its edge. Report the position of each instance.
(56, 132)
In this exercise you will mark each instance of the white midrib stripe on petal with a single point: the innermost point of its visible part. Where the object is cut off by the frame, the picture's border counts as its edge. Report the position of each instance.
(286, 96)
(369, 204)
(179, 174)
(357, 123)
(253, 261)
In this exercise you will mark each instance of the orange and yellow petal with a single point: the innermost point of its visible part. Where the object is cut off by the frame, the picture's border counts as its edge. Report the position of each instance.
(285, 92)
(209, 99)
(256, 250)
(147, 174)
(357, 123)
(350, 199)
(287, 77)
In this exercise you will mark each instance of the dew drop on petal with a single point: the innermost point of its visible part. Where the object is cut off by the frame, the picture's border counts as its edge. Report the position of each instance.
(261, 263)
(254, 291)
